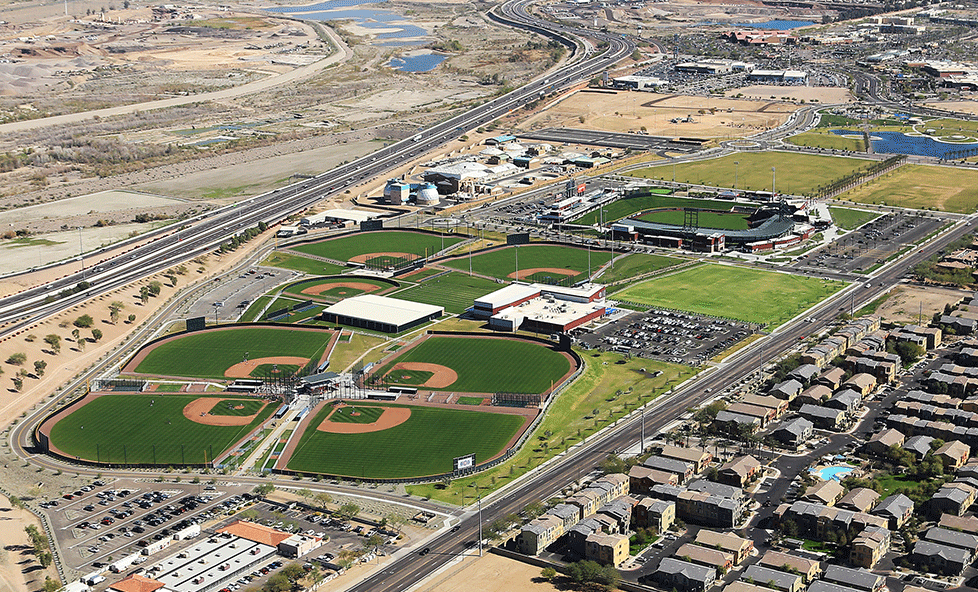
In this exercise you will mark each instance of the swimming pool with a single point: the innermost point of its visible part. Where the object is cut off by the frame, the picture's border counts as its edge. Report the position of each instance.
(838, 472)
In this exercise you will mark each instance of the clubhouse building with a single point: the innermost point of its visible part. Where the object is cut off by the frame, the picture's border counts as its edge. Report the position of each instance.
(540, 307)
(379, 313)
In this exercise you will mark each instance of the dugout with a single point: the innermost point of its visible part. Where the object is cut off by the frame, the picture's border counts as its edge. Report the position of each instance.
(378, 313)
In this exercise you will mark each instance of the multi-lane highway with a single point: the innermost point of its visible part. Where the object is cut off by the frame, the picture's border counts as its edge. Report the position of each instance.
(205, 234)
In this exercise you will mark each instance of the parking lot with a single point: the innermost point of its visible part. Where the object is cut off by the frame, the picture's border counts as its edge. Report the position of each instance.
(677, 337)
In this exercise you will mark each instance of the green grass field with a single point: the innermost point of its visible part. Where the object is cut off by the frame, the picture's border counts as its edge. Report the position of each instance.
(723, 221)
(489, 365)
(848, 219)
(423, 445)
(828, 141)
(636, 264)
(627, 206)
(248, 407)
(263, 370)
(502, 262)
(797, 174)
(470, 400)
(356, 414)
(409, 377)
(386, 241)
(455, 291)
(208, 354)
(920, 186)
(336, 292)
(764, 297)
(303, 264)
(154, 431)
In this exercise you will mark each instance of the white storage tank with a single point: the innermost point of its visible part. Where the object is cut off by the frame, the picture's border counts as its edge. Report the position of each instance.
(428, 195)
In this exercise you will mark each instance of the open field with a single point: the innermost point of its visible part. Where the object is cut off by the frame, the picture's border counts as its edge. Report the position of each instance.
(385, 241)
(423, 445)
(303, 264)
(636, 264)
(155, 431)
(763, 297)
(920, 186)
(724, 221)
(822, 94)
(592, 402)
(208, 354)
(530, 367)
(916, 304)
(828, 141)
(848, 218)
(455, 291)
(797, 174)
(502, 263)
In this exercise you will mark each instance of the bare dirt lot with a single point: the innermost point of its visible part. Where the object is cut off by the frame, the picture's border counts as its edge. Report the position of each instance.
(713, 117)
(907, 304)
(491, 573)
(960, 106)
(821, 94)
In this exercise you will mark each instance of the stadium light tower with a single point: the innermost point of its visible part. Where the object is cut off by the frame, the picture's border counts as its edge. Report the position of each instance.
(774, 172)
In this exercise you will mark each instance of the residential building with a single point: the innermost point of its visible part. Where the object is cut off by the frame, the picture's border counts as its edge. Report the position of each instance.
(682, 470)
(606, 549)
(862, 383)
(539, 534)
(952, 498)
(918, 445)
(823, 586)
(711, 510)
(735, 422)
(705, 556)
(805, 373)
(881, 442)
(684, 576)
(717, 489)
(832, 377)
(808, 568)
(794, 433)
(726, 541)
(813, 395)
(787, 390)
(896, 509)
(779, 406)
(621, 512)
(739, 471)
(587, 500)
(824, 418)
(568, 514)
(952, 538)
(763, 414)
(940, 559)
(967, 524)
(953, 454)
(576, 537)
(825, 492)
(860, 579)
(697, 457)
(846, 400)
(654, 513)
(773, 578)
(642, 479)
(859, 499)
(869, 546)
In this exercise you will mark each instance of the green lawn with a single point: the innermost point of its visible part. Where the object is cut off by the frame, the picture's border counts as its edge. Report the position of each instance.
(627, 206)
(423, 445)
(636, 264)
(470, 400)
(248, 407)
(722, 221)
(502, 262)
(848, 219)
(828, 141)
(797, 174)
(145, 429)
(921, 186)
(358, 414)
(764, 297)
(490, 365)
(385, 241)
(337, 292)
(455, 291)
(207, 354)
(303, 264)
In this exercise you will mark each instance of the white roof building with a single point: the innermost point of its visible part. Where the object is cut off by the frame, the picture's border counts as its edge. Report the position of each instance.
(380, 313)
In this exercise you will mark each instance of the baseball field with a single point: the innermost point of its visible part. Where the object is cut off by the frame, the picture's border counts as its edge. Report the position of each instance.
(424, 444)
(548, 264)
(338, 288)
(455, 291)
(720, 220)
(797, 174)
(211, 353)
(627, 206)
(482, 365)
(763, 297)
(363, 244)
(156, 429)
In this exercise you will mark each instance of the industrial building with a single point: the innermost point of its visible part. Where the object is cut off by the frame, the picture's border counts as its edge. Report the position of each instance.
(337, 217)
(379, 313)
(638, 82)
(540, 307)
(398, 192)
(779, 76)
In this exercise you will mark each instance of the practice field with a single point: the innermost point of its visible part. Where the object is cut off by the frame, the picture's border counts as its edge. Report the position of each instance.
(720, 220)
(386, 241)
(455, 291)
(763, 297)
(237, 408)
(337, 288)
(563, 265)
(920, 186)
(488, 365)
(636, 264)
(208, 354)
(848, 218)
(797, 174)
(154, 430)
(425, 444)
(359, 414)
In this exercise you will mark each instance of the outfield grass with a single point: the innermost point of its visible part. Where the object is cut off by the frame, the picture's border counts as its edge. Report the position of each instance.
(502, 262)
(754, 296)
(208, 354)
(610, 385)
(455, 291)
(248, 407)
(489, 365)
(848, 219)
(722, 221)
(636, 264)
(303, 264)
(410, 377)
(335, 292)
(922, 187)
(154, 431)
(797, 174)
(423, 445)
(828, 141)
(363, 414)
(263, 370)
(386, 241)
(627, 206)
